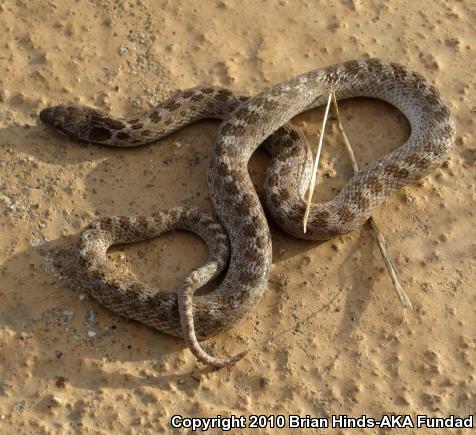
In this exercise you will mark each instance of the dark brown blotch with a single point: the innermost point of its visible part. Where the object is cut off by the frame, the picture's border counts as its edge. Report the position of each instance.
(106, 224)
(124, 221)
(294, 135)
(345, 214)
(417, 161)
(273, 180)
(275, 200)
(122, 135)
(270, 104)
(399, 71)
(136, 288)
(195, 218)
(187, 94)
(155, 117)
(432, 96)
(374, 185)
(249, 201)
(254, 255)
(285, 171)
(249, 278)
(321, 218)
(297, 211)
(396, 172)
(374, 65)
(362, 201)
(246, 115)
(441, 111)
(280, 197)
(142, 221)
(261, 242)
(230, 129)
(448, 130)
(222, 169)
(230, 187)
(172, 105)
(351, 67)
(197, 97)
(99, 134)
(224, 95)
(249, 231)
(238, 175)
(114, 124)
(137, 126)
(207, 91)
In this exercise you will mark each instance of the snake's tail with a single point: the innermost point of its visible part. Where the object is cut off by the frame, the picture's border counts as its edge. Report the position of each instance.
(185, 305)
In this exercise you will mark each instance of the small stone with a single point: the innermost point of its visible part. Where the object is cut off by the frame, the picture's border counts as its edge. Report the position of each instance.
(91, 334)
(91, 316)
(20, 406)
(68, 314)
(54, 402)
(122, 50)
(264, 381)
(442, 237)
(82, 296)
(60, 382)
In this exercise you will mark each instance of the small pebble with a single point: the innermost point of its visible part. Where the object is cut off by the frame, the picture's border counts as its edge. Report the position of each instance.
(91, 334)
(55, 402)
(264, 381)
(68, 314)
(122, 50)
(91, 316)
(60, 382)
(20, 406)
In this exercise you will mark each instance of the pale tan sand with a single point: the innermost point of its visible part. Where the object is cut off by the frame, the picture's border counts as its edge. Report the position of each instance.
(329, 336)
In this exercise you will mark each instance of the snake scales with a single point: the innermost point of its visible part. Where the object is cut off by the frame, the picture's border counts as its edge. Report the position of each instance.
(241, 236)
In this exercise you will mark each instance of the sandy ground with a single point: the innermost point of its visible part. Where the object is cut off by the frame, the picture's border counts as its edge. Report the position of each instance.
(329, 336)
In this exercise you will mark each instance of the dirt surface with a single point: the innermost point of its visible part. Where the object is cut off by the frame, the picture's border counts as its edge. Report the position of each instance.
(329, 336)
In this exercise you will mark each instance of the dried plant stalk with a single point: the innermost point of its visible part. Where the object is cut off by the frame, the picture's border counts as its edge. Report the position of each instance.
(316, 163)
(382, 244)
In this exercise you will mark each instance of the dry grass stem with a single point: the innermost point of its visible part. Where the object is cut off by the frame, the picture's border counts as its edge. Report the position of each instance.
(382, 244)
(316, 163)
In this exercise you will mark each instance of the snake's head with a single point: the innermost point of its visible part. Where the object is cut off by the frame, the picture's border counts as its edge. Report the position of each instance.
(80, 122)
(69, 119)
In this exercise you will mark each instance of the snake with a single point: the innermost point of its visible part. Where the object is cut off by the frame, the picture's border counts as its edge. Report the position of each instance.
(238, 238)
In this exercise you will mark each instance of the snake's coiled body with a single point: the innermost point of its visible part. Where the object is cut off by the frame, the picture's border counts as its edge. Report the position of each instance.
(246, 124)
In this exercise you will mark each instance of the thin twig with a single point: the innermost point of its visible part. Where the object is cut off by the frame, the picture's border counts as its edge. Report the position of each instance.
(382, 244)
(316, 163)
